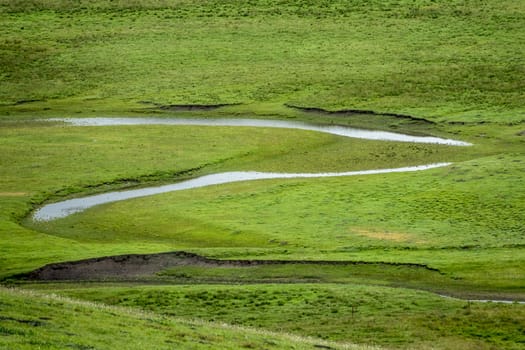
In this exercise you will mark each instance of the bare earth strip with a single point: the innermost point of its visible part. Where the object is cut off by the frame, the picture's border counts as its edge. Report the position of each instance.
(13, 194)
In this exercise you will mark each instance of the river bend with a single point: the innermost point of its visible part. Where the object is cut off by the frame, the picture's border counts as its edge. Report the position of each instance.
(64, 208)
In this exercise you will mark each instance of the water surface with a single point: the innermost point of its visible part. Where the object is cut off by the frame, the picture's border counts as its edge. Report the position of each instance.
(62, 209)
(329, 129)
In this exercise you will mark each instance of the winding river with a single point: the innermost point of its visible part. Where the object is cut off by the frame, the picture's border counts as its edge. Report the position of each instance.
(62, 209)
(328, 129)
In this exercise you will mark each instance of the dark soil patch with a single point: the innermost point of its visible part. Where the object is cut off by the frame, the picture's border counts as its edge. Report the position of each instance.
(192, 107)
(452, 122)
(34, 323)
(350, 112)
(142, 265)
(21, 102)
(188, 107)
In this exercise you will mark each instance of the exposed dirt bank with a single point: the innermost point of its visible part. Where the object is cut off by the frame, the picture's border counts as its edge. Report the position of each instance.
(192, 107)
(136, 265)
(22, 102)
(349, 112)
(188, 107)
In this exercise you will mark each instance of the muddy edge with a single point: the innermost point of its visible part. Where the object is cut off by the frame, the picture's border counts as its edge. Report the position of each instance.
(134, 265)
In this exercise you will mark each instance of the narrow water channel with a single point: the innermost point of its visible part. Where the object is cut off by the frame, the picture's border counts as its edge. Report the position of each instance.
(62, 209)
(328, 129)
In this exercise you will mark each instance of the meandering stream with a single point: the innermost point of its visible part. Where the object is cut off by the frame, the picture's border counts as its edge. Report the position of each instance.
(329, 129)
(62, 209)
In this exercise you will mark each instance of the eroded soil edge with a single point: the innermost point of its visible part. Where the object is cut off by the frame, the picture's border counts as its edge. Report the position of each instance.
(137, 265)
(350, 112)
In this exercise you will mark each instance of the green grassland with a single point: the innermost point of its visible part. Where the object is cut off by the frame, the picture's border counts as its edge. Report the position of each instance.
(441, 209)
(32, 320)
(96, 159)
(456, 67)
(370, 315)
(445, 60)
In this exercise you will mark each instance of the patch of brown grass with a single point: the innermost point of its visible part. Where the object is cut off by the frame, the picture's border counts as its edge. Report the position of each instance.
(384, 235)
(12, 194)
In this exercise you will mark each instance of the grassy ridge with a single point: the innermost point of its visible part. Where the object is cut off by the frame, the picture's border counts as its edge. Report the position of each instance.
(453, 60)
(32, 320)
(374, 315)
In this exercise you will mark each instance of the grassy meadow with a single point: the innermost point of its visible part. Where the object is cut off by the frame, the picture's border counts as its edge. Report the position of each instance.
(452, 69)
(369, 315)
(34, 320)
(445, 60)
